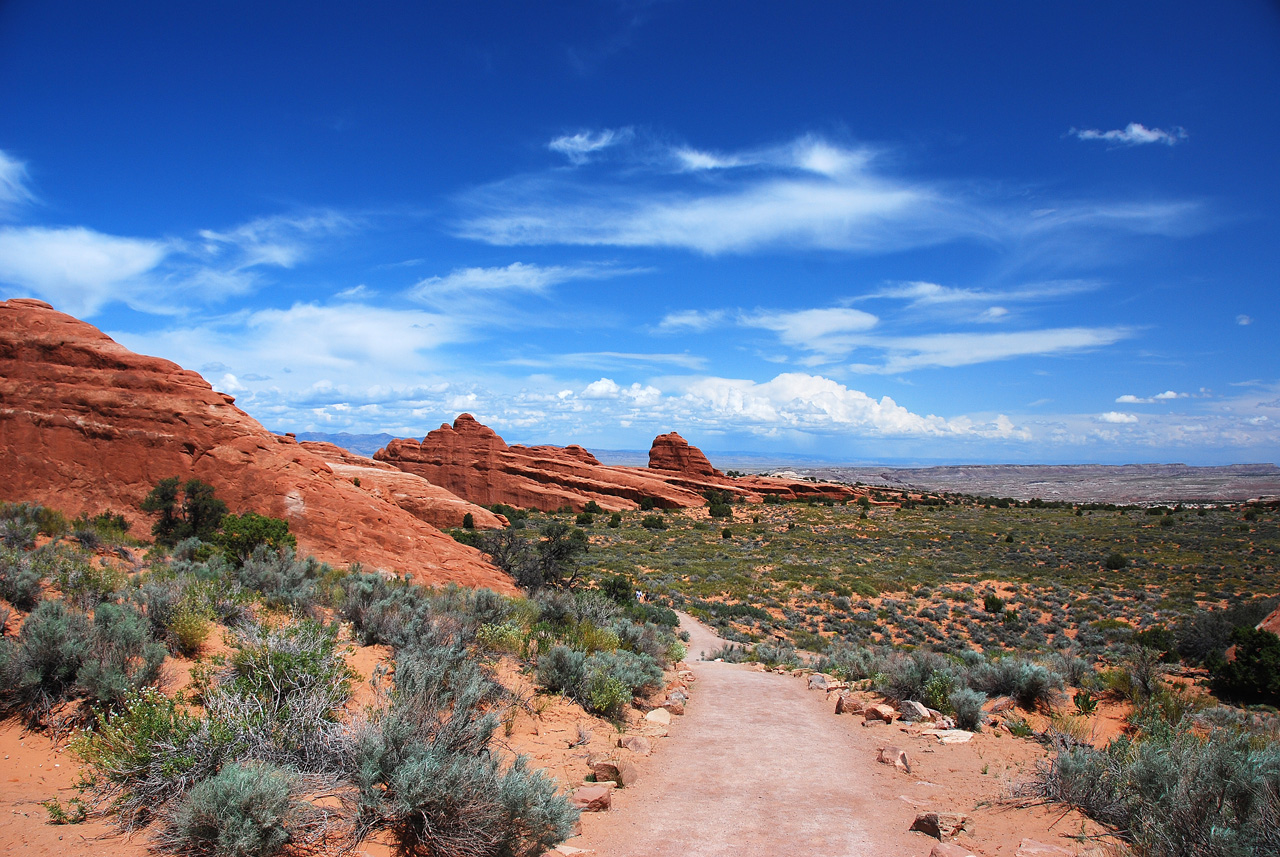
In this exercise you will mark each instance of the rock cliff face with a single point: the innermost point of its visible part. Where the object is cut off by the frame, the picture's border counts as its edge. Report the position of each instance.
(672, 452)
(87, 425)
(410, 492)
(1271, 623)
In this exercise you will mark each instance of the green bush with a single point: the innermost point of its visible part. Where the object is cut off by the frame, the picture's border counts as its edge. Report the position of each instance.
(19, 580)
(615, 520)
(967, 705)
(40, 667)
(1031, 684)
(242, 535)
(1116, 561)
(242, 811)
(639, 673)
(122, 658)
(1253, 675)
(185, 510)
(653, 522)
(282, 578)
(1173, 793)
(561, 670)
(584, 519)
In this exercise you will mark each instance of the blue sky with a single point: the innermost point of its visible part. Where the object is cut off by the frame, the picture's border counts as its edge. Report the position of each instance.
(914, 232)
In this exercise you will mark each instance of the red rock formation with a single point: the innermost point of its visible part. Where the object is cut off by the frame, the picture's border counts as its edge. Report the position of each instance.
(472, 461)
(1271, 623)
(410, 492)
(672, 452)
(87, 425)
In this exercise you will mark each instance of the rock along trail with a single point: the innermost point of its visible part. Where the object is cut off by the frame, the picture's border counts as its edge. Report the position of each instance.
(757, 766)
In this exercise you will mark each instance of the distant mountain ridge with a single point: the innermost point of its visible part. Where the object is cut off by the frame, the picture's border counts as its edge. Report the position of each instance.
(360, 444)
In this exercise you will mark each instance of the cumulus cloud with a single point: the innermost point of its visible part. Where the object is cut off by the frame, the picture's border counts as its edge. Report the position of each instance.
(13, 182)
(1243, 320)
(607, 388)
(79, 270)
(1133, 134)
(806, 402)
(579, 147)
(1117, 417)
(1167, 395)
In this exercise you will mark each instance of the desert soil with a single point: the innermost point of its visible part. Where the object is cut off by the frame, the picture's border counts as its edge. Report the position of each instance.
(760, 765)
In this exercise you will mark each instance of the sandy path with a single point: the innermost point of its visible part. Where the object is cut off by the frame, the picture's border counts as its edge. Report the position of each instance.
(757, 765)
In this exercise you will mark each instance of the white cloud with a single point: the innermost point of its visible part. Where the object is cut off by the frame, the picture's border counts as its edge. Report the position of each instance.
(280, 241)
(823, 331)
(517, 276)
(579, 147)
(1133, 134)
(13, 182)
(1117, 417)
(1167, 395)
(995, 313)
(79, 270)
(809, 193)
(905, 353)
(607, 388)
(1170, 394)
(1130, 399)
(692, 320)
(925, 294)
(815, 403)
(1243, 320)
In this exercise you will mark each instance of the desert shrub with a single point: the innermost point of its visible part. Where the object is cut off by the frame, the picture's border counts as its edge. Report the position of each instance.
(282, 578)
(720, 510)
(1207, 633)
(41, 665)
(241, 535)
(993, 603)
(280, 693)
(653, 522)
(850, 662)
(967, 706)
(1031, 684)
(17, 534)
(938, 690)
(383, 611)
(561, 670)
(1075, 671)
(584, 519)
(19, 580)
(906, 676)
(775, 654)
(83, 582)
(1253, 675)
(654, 614)
(638, 673)
(185, 510)
(122, 658)
(424, 771)
(242, 811)
(1115, 561)
(1174, 793)
(188, 629)
(606, 695)
(615, 520)
(499, 638)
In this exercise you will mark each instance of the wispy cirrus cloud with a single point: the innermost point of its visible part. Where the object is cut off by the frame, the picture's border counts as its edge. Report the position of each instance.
(579, 147)
(810, 193)
(1133, 134)
(516, 277)
(947, 350)
(14, 190)
(609, 359)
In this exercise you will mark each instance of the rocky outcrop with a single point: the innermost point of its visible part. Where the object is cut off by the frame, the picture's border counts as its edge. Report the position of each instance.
(472, 461)
(87, 425)
(672, 452)
(417, 496)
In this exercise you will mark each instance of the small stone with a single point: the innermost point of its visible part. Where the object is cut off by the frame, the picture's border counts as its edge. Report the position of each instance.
(940, 825)
(950, 849)
(615, 770)
(882, 713)
(846, 704)
(660, 716)
(818, 681)
(636, 744)
(913, 711)
(895, 756)
(953, 736)
(592, 798)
